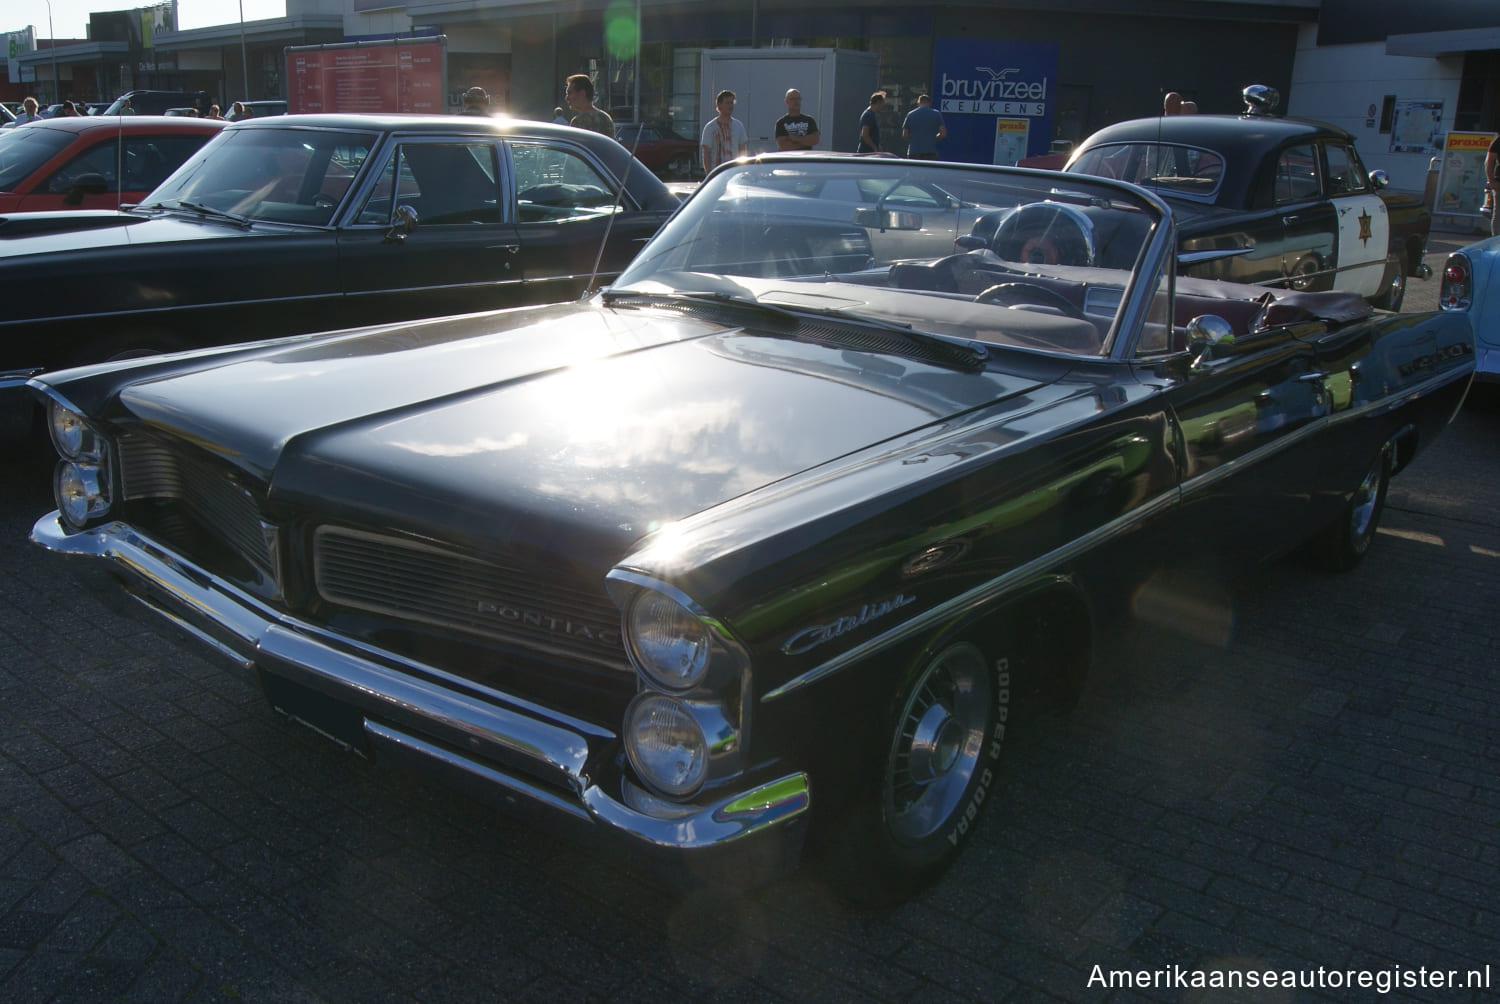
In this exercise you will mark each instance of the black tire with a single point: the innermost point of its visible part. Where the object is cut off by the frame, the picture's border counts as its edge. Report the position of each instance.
(943, 738)
(679, 165)
(1344, 543)
(1393, 285)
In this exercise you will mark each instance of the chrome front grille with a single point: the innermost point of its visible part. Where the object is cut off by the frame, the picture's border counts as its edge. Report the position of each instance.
(417, 582)
(151, 469)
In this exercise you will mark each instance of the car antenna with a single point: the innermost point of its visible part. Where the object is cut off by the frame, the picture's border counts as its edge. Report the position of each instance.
(614, 211)
(119, 161)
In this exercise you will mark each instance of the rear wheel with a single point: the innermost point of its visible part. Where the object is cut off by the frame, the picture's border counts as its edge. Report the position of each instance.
(679, 165)
(1343, 543)
(942, 753)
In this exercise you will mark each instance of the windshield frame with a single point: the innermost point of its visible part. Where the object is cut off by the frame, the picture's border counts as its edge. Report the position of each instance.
(1117, 289)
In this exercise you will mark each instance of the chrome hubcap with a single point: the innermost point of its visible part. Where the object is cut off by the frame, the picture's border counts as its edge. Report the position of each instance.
(935, 752)
(1362, 506)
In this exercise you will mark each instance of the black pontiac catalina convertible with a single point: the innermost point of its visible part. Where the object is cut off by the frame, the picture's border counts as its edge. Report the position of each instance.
(766, 546)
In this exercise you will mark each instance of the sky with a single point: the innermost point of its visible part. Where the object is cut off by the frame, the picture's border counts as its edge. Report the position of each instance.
(70, 18)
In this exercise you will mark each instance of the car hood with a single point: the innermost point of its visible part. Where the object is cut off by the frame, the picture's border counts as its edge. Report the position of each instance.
(575, 423)
(31, 236)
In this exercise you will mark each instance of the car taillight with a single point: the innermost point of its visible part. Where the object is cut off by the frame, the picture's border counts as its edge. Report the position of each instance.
(1458, 283)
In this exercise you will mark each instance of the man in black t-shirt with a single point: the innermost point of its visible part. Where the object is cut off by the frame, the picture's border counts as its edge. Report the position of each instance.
(795, 131)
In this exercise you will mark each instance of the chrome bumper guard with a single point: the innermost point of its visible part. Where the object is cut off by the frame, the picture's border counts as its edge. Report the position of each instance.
(499, 748)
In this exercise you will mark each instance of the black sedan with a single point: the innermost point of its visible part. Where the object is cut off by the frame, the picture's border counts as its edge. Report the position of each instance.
(770, 545)
(286, 225)
(1261, 199)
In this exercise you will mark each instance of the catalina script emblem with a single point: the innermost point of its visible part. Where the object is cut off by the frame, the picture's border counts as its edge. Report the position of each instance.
(810, 638)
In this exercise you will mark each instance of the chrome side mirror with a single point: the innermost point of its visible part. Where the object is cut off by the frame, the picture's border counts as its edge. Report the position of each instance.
(1206, 333)
(1379, 179)
(405, 220)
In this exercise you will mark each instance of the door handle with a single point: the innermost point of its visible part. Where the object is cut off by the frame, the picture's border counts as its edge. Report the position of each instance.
(512, 248)
(1316, 378)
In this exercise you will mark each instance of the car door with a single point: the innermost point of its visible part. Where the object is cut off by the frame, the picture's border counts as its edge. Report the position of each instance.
(1308, 224)
(460, 254)
(1364, 226)
(564, 200)
(1246, 408)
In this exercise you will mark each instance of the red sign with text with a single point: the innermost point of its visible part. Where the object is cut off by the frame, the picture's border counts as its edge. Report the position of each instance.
(400, 75)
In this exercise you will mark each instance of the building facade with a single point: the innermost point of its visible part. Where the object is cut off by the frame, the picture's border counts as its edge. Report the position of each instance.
(1374, 67)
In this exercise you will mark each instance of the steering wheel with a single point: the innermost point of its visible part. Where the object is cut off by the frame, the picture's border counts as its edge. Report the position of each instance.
(1044, 234)
(1008, 294)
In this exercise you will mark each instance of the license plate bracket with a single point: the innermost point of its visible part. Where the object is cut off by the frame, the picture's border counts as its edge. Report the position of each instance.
(331, 718)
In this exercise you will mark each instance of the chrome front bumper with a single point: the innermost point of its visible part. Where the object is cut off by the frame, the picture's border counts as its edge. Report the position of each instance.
(503, 749)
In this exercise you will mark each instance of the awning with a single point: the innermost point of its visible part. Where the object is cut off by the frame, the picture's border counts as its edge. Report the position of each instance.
(1443, 43)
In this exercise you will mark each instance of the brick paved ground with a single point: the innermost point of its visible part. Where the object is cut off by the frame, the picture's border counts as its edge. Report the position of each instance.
(1322, 791)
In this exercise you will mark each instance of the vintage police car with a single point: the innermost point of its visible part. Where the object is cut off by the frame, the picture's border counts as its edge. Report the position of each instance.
(772, 541)
(1281, 201)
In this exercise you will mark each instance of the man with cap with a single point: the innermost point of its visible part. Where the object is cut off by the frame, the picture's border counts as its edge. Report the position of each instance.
(476, 101)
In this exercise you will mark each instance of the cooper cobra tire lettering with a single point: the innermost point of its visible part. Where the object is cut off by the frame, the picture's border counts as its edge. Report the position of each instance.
(996, 743)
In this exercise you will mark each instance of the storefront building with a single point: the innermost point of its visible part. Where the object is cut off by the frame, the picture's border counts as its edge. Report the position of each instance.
(1057, 68)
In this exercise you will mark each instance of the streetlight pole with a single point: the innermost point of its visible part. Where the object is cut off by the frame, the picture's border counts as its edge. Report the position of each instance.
(56, 85)
(244, 60)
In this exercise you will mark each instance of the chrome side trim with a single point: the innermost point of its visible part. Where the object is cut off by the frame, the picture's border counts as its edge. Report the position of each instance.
(988, 591)
(977, 597)
(332, 296)
(16, 378)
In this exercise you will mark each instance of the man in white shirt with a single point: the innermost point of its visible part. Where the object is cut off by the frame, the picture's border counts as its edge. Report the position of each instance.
(28, 112)
(724, 138)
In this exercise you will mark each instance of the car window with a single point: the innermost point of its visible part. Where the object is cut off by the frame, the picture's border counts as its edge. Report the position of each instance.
(449, 184)
(1345, 173)
(23, 151)
(557, 184)
(904, 194)
(1169, 168)
(1297, 175)
(147, 162)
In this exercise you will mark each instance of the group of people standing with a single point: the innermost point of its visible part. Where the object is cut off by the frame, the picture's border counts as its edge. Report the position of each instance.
(724, 137)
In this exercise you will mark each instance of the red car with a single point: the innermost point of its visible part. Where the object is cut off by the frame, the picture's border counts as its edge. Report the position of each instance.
(93, 162)
(666, 153)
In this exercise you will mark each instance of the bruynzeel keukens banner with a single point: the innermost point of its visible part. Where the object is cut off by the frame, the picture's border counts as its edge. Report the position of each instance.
(978, 82)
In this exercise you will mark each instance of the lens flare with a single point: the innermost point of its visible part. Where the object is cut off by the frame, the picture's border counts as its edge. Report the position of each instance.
(620, 33)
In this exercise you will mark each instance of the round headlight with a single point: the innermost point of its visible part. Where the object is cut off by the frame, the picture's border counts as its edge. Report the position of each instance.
(665, 744)
(70, 434)
(79, 492)
(671, 646)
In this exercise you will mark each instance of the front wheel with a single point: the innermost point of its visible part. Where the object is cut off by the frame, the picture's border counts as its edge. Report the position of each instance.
(944, 739)
(1393, 285)
(1343, 543)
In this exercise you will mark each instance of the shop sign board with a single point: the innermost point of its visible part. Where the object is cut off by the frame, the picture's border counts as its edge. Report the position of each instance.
(983, 87)
(405, 75)
(1460, 186)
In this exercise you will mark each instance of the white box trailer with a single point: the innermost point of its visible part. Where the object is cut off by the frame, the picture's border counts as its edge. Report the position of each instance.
(835, 83)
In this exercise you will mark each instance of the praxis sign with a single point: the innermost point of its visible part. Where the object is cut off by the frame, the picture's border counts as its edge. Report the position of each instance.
(988, 90)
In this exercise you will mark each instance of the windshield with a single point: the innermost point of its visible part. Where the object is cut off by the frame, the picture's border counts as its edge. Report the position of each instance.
(22, 151)
(277, 175)
(961, 251)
